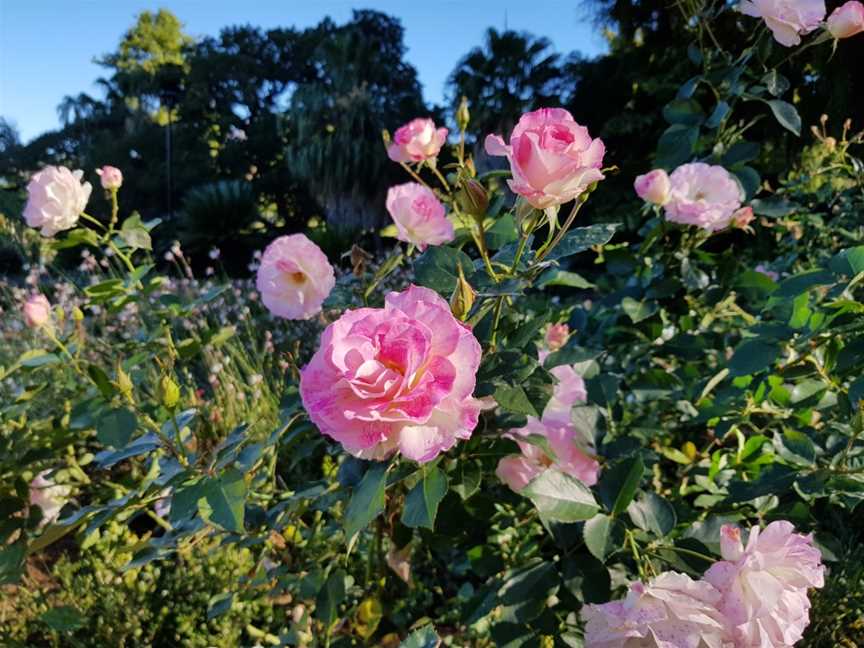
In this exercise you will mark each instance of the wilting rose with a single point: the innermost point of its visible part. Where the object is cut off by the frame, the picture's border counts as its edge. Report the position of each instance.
(671, 611)
(294, 277)
(416, 141)
(788, 20)
(553, 159)
(399, 560)
(55, 199)
(764, 585)
(846, 20)
(398, 378)
(48, 496)
(556, 336)
(419, 216)
(36, 311)
(111, 177)
(572, 451)
(703, 195)
(653, 187)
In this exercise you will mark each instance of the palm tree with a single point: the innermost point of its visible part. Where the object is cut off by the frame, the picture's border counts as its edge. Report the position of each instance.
(512, 72)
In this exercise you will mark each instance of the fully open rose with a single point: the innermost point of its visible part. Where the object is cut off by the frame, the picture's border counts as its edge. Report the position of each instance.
(553, 159)
(55, 199)
(294, 278)
(395, 378)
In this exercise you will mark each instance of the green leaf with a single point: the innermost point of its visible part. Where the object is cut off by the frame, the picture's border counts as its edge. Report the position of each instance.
(514, 399)
(12, 562)
(752, 356)
(749, 179)
(367, 500)
(468, 475)
(580, 239)
(425, 637)
(37, 358)
(603, 535)
(618, 483)
(421, 504)
(62, 618)
(740, 152)
(773, 207)
(786, 115)
(135, 235)
(526, 589)
(653, 513)
(676, 145)
(115, 427)
(560, 497)
(718, 115)
(795, 446)
(330, 597)
(683, 111)
(776, 83)
(226, 497)
(437, 268)
(638, 310)
(776, 479)
(555, 277)
(219, 604)
(501, 233)
(799, 283)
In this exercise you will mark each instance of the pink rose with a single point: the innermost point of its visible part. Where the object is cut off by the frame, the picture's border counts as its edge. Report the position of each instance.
(653, 187)
(672, 611)
(553, 159)
(788, 20)
(111, 177)
(704, 195)
(416, 141)
(556, 336)
(55, 199)
(36, 311)
(294, 277)
(764, 585)
(395, 378)
(419, 216)
(48, 496)
(846, 20)
(572, 451)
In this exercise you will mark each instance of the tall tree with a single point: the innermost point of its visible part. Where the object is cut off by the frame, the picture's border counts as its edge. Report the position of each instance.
(512, 72)
(363, 86)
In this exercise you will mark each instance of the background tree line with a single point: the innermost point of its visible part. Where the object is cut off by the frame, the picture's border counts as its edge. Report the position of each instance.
(269, 128)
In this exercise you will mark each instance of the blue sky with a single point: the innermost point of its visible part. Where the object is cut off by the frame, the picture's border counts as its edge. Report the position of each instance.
(47, 47)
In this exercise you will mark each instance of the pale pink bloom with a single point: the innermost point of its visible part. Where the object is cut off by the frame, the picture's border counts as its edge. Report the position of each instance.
(294, 278)
(703, 195)
(55, 199)
(788, 20)
(398, 378)
(553, 159)
(742, 218)
(110, 176)
(671, 611)
(571, 452)
(36, 311)
(48, 496)
(846, 20)
(768, 273)
(419, 216)
(556, 336)
(416, 141)
(653, 187)
(764, 585)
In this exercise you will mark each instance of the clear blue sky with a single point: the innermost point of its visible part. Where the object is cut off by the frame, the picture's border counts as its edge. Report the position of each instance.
(47, 47)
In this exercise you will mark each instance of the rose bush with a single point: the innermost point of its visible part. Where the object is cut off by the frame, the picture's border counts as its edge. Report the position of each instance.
(514, 429)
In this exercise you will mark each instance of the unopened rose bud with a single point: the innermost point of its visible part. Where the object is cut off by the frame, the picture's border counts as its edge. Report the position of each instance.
(823, 119)
(124, 383)
(77, 314)
(169, 392)
(473, 198)
(36, 311)
(463, 297)
(846, 20)
(524, 213)
(830, 143)
(111, 177)
(463, 117)
(742, 218)
(653, 187)
(556, 336)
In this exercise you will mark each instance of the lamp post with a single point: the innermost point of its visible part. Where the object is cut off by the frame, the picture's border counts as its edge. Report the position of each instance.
(169, 94)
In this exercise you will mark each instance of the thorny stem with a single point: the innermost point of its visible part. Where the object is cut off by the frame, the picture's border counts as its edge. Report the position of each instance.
(546, 249)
